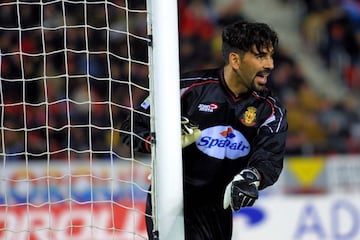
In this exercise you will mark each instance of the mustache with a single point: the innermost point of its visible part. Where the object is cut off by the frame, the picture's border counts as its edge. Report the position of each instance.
(266, 71)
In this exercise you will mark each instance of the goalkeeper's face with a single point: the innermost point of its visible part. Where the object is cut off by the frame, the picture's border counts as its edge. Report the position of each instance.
(254, 68)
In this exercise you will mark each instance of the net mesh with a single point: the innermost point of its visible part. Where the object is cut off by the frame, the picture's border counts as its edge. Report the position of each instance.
(70, 73)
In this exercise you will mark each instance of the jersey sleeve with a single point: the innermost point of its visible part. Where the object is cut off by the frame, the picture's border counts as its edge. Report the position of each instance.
(136, 129)
(269, 146)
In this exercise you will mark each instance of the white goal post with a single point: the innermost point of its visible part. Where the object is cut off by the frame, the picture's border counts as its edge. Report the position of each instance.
(70, 72)
(166, 112)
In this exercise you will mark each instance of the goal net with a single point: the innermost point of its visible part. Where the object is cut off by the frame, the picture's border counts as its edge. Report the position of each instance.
(71, 71)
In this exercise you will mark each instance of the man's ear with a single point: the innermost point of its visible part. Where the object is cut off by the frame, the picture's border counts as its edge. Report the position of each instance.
(234, 60)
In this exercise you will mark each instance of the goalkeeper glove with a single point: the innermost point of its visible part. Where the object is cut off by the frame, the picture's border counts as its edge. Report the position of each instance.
(189, 132)
(242, 191)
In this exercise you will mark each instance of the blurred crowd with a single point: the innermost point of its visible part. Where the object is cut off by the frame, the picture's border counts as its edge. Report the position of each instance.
(332, 29)
(69, 102)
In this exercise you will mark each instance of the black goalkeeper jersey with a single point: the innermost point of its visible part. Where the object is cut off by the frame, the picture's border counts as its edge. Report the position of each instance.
(237, 132)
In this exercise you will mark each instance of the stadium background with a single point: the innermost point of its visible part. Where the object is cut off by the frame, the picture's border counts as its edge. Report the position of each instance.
(317, 196)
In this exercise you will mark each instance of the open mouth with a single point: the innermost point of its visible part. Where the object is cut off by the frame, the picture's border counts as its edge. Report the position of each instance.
(262, 77)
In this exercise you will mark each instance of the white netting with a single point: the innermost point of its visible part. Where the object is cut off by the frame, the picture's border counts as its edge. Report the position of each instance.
(70, 72)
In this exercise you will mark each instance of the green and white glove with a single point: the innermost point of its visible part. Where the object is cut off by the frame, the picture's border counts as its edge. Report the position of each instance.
(189, 132)
(242, 191)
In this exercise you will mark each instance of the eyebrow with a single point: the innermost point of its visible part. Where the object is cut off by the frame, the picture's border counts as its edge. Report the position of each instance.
(259, 51)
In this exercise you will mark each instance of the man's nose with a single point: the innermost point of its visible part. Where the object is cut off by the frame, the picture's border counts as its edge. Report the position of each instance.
(268, 64)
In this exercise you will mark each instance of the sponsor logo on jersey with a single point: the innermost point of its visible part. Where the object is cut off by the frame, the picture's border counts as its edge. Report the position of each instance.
(223, 142)
(207, 107)
(249, 117)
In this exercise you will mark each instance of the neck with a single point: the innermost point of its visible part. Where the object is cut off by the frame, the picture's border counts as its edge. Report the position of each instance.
(233, 81)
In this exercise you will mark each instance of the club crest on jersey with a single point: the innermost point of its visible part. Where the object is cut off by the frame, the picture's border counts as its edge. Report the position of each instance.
(207, 107)
(223, 142)
(249, 117)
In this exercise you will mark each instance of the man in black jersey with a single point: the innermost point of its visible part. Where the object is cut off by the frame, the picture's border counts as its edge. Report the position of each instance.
(239, 148)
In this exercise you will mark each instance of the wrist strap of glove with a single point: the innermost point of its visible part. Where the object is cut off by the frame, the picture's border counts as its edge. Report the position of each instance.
(251, 175)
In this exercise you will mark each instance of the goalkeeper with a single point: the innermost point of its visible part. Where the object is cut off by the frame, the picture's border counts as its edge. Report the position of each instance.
(234, 132)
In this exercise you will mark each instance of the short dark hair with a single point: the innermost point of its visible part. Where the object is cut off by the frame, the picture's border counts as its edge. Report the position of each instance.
(242, 36)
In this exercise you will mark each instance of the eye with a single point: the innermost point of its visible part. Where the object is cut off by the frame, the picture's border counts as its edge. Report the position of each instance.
(260, 55)
(263, 56)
